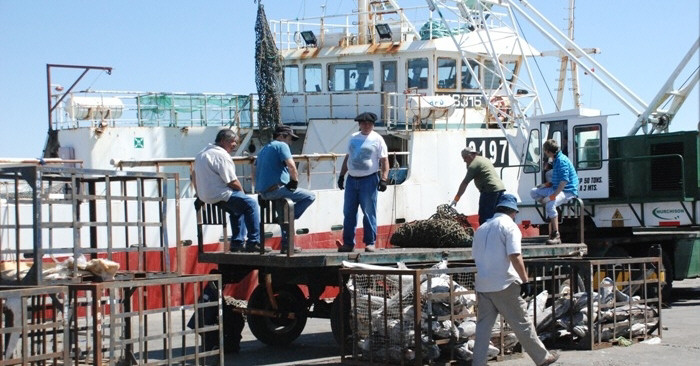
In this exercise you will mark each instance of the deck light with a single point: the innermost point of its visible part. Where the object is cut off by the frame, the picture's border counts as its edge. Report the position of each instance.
(309, 38)
(384, 31)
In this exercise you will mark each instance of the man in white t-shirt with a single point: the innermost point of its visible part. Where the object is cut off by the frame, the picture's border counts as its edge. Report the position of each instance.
(367, 165)
(501, 279)
(215, 176)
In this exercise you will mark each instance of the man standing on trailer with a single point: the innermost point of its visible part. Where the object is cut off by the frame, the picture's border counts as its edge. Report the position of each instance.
(276, 177)
(562, 188)
(490, 186)
(215, 176)
(367, 165)
(501, 279)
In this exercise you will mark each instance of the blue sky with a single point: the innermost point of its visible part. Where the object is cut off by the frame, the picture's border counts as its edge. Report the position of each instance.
(208, 46)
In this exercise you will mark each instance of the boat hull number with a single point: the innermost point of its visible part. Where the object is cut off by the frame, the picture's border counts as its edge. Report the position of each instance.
(493, 148)
(467, 100)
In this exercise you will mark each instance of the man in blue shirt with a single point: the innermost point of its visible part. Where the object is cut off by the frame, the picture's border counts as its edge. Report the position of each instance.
(562, 188)
(276, 177)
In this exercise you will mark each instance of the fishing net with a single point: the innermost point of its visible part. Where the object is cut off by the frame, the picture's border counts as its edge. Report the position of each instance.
(268, 71)
(447, 228)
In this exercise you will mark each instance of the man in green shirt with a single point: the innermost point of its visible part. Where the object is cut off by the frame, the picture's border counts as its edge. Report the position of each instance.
(482, 172)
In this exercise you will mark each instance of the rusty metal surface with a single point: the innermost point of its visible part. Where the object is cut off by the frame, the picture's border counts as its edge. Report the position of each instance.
(331, 257)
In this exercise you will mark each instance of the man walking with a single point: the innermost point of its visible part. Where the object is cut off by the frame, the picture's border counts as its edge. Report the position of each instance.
(276, 177)
(215, 176)
(490, 186)
(501, 278)
(367, 155)
(562, 188)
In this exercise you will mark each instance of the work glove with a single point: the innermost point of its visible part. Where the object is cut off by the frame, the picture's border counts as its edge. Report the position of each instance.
(341, 182)
(453, 203)
(546, 199)
(526, 289)
(382, 185)
(292, 185)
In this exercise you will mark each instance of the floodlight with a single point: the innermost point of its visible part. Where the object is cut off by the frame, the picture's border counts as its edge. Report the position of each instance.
(383, 30)
(309, 38)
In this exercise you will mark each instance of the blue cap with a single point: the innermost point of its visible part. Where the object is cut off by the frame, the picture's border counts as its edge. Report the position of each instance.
(508, 200)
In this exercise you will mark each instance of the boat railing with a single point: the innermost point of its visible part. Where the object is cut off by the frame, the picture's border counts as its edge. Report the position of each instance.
(316, 171)
(406, 23)
(100, 109)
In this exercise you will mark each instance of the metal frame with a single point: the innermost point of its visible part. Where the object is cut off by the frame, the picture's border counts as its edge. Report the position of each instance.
(110, 323)
(636, 275)
(39, 325)
(89, 196)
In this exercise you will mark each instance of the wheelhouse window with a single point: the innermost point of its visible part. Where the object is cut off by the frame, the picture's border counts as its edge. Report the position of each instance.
(418, 73)
(312, 78)
(447, 73)
(468, 81)
(291, 79)
(587, 147)
(492, 80)
(352, 76)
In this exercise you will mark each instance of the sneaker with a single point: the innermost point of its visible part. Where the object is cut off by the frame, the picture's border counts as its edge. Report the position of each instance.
(369, 249)
(554, 238)
(237, 247)
(255, 247)
(551, 358)
(345, 249)
(285, 250)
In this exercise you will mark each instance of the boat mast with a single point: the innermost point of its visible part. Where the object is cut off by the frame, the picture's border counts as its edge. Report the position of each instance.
(574, 68)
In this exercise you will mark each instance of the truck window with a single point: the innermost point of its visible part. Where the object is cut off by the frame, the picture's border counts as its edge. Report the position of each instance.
(417, 73)
(587, 148)
(534, 147)
(312, 78)
(291, 79)
(447, 73)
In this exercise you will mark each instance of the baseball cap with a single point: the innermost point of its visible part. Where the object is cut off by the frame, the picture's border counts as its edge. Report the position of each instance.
(284, 129)
(508, 200)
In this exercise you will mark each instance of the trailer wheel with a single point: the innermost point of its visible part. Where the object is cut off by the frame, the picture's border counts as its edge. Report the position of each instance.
(278, 331)
(337, 319)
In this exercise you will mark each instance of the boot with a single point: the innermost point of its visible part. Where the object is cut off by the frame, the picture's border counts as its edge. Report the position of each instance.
(554, 238)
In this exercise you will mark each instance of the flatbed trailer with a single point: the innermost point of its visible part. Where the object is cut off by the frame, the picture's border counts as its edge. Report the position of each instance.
(278, 307)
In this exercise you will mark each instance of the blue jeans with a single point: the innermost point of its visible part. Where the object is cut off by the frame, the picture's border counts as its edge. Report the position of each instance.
(487, 205)
(551, 206)
(302, 199)
(360, 192)
(245, 218)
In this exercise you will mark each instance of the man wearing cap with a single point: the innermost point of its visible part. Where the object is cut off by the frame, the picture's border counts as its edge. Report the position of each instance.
(490, 186)
(276, 177)
(501, 280)
(215, 176)
(367, 165)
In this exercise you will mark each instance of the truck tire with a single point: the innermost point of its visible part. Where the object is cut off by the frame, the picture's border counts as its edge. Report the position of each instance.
(337, 319)
(278, 331)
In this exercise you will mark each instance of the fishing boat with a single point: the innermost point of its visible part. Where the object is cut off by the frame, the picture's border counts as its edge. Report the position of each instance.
(457, 77)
